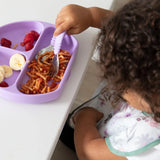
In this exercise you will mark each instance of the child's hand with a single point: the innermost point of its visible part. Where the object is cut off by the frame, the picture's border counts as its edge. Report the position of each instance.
(73, 19)
(89, 113)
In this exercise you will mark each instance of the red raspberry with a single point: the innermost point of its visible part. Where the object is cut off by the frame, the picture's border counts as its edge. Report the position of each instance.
(34, 34)
(28, 38)
(22, 43)
(6, 43)
(3, 84)
(28, 46)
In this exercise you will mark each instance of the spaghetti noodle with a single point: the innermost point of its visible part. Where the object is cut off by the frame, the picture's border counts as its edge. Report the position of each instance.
(41, 71)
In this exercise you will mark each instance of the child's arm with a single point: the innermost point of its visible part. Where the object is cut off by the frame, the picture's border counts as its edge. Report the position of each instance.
(75, 19)
(89, 145)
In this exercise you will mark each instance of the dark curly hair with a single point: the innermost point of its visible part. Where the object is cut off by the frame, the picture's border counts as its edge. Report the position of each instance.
(129, 47)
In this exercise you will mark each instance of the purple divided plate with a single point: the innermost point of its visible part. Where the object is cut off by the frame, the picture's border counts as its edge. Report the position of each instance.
(16, 32)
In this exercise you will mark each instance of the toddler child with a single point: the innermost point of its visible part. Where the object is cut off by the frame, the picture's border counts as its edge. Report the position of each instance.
(121, 121)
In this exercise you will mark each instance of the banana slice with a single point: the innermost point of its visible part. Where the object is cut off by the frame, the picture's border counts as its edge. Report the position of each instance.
(17, 61)
(1, 73)
(1, 76)
(2, 69)
(7, 71)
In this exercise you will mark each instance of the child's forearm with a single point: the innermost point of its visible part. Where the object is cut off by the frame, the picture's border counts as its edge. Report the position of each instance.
(89, 145)
(85, 132)
(98, 14)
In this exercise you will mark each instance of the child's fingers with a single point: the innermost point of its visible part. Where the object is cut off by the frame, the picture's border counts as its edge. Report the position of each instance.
(73, 31)
(89, 112)
(58, 31)
(61, 28)
(59, 20)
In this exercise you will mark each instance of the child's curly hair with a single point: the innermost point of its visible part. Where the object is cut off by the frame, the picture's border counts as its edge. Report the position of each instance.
(129, 46)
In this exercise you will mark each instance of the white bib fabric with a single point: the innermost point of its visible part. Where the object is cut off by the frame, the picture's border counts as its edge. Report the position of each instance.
(129, 131)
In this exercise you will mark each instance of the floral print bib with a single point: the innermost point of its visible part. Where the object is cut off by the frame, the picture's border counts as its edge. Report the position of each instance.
(129, 131)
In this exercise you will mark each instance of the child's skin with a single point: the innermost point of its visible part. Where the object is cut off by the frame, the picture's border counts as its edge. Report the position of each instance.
(75, 19)
(89, 145)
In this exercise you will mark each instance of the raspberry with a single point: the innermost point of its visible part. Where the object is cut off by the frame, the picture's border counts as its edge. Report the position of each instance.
(34, 34)
(6, 43)
(28, 38)
(22, 43)
(28, 46)
(3, 84)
